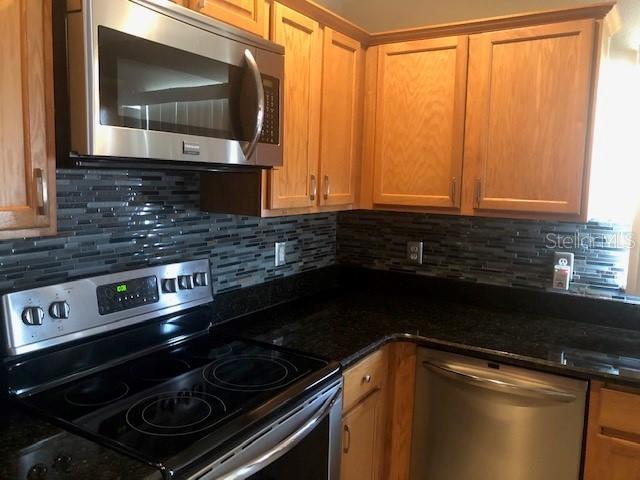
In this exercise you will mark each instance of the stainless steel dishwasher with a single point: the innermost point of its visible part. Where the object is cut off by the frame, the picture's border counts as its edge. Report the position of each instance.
(478, 420)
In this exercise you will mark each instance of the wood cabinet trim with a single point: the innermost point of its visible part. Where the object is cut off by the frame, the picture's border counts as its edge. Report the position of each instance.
(596, 11)
(329, 19)
(399, 408)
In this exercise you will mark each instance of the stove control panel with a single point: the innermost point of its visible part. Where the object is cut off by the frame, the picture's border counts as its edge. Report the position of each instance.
(127, 294)
(43, 317)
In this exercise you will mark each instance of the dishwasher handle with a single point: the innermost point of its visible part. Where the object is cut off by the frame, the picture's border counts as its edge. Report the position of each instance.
(499, 385)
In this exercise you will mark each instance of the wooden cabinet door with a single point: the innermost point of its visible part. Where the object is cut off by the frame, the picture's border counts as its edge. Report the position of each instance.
(340, 118)
(362, 453)
(246, 14)
(295, 184)
(528, 114)
(617, 459)
(27, 151)
(419, 130)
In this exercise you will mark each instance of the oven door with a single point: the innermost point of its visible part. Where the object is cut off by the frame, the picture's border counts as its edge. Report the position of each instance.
(303, 443)
(161, 88)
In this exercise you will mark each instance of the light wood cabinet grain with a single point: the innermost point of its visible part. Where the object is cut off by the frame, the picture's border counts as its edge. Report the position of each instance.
(401, 386)
(340, 118)
(364, 420)
(362, 440)
(27, 150)
(295, 184)
(246, 14)
(613, 438)
(528, 117)
(419, 124)
(364, 377)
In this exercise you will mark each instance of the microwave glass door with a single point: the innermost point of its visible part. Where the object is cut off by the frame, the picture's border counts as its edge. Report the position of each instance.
(150, 86)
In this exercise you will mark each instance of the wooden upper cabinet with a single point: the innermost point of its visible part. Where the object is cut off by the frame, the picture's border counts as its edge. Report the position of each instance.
(340, 124)
(419, 122)
(296, 183)
(246, 14)
(27, 151)
(528, 118)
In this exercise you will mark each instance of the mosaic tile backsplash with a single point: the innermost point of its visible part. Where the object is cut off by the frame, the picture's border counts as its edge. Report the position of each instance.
(492, 251)
(116, 220)
(111, 220)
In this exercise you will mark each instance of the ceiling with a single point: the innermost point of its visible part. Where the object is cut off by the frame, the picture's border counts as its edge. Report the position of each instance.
(382, 15)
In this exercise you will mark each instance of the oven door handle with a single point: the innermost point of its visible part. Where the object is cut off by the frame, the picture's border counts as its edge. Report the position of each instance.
(250, 146)
(264, 459)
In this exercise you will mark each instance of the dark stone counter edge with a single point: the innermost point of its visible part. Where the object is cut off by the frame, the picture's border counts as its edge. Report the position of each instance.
(507, 358)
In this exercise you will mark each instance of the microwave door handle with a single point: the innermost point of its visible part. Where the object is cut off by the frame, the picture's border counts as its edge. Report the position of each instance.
(250, 147)
(266, 458)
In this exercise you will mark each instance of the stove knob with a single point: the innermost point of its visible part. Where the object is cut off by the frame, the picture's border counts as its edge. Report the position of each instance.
(32, 316)
(59, 310)
(169, 285)
(200, 279)
(185, 282)
(37, 472)
(62, 463)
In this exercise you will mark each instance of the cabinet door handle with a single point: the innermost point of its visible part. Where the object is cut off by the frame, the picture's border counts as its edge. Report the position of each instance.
(454, 188)
(346, 443)
(42, 194)
(327, 187)
(366, 379)
(478, 191)
(200, 4)
(314, 187)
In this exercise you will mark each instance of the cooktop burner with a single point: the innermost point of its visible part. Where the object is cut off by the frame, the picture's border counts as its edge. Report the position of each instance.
(95, 392)
(161, 404)
(176, 413)
(250, 373)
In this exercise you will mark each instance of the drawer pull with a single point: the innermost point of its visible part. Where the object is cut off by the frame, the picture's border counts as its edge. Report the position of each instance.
(366, 379)
(347, 439)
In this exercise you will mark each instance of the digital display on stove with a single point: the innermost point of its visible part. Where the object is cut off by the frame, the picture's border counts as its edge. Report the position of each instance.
(120, 296)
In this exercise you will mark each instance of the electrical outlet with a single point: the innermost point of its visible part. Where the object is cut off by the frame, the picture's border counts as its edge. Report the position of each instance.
(281, 254)
(414, 252)
(562, 270)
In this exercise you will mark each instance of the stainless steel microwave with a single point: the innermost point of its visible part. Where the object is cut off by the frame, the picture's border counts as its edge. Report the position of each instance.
(152, 80)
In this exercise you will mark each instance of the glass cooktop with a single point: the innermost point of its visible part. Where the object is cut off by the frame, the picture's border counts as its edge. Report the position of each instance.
(161, 404)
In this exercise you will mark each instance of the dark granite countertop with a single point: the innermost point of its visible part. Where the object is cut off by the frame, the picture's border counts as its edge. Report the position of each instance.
(344, 324)
(348, 325)
(27, 441)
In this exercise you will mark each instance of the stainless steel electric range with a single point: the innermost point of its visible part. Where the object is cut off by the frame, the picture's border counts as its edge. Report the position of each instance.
(131, 361)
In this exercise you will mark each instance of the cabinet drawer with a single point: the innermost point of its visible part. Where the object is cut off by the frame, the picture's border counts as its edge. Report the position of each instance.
(620, 411)
(363, 378)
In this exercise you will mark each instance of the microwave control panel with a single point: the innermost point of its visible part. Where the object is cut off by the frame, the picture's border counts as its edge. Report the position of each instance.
(271, 125)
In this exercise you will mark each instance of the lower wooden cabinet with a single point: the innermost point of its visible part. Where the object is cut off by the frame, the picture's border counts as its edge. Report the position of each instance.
(378, 414)
(362, 442)
(613, 435)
